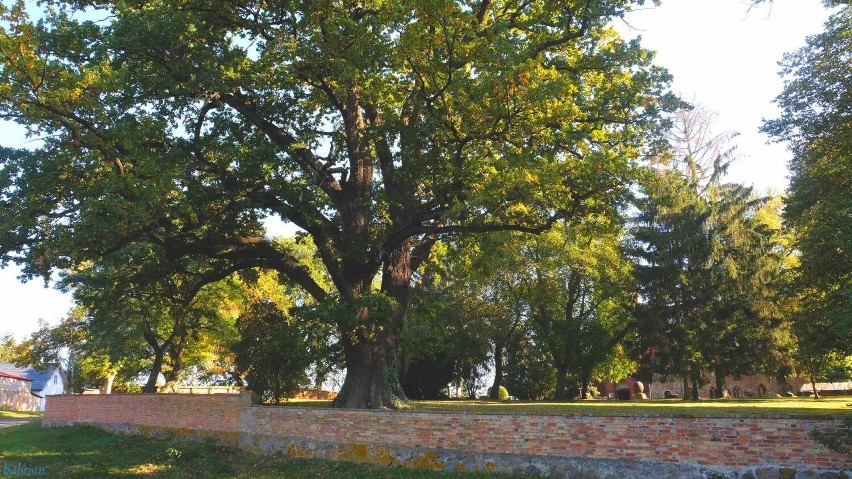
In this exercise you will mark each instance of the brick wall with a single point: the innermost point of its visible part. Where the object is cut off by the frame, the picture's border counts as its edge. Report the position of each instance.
(733, 445)
(219, 412)
(700, 440)
(748, 385)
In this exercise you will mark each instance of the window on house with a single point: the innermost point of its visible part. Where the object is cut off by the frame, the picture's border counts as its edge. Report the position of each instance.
(55, 379)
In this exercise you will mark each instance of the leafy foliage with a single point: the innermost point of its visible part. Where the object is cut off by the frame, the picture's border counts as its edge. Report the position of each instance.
(487, 273)
(8, 346)
(273, 352)
(748, 319)
(672, 265)
(815, 121)
(579, 298)
(170, 130)
(710, 263)
(540, 302)
(529, 370)
(445, 339)
(149, 325)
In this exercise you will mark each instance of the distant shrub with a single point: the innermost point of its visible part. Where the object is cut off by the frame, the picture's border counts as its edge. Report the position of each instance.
(273, 352)
(503, 394)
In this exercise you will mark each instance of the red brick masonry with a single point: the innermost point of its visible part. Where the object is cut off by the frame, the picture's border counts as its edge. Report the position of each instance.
(730, 442)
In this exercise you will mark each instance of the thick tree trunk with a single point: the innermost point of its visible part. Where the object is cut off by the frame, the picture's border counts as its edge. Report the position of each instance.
(372, 369)
(107, 388)
(685, 386)
(584, 385)
(156, 368)
(720, 381)
(371, 380)
(498, 371)
(561, 383)
(813, 385)
(176, 354)
(159, 352)
(319, 380)
(694, 376)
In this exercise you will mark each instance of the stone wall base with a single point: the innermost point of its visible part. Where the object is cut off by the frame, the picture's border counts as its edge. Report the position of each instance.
(460, 461)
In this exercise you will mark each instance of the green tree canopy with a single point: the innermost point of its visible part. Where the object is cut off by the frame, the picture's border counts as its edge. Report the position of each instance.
(454, 321)
(710, 263)
(8, 346)
(148, 327)
(490, 272)
(816, 122)
(672, 252)
(86, 363)
(174, 128)
(579, 298)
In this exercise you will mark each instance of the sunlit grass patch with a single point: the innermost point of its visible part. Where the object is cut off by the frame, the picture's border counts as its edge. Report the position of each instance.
(145, 469)
(20, 414)
(709, 407)
(798, 406)
(82, 452)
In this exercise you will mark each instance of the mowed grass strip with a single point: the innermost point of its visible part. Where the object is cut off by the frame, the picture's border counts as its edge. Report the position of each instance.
(19, 414)
(80, 452)
(826, 406)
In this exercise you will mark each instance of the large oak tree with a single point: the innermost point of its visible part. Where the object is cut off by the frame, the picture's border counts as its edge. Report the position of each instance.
(170, 129)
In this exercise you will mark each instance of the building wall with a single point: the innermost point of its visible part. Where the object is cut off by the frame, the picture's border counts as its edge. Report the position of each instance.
(624, 389)
(748, 385)
(55, 385)
(630, 444)
(15, 395)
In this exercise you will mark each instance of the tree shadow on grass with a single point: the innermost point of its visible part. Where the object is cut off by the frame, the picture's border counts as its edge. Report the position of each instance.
(83, 452)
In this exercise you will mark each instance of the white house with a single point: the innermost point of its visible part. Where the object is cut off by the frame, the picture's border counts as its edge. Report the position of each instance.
(45, 382)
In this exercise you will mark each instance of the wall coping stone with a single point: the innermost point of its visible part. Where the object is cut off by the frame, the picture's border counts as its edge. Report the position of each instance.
(577, 414)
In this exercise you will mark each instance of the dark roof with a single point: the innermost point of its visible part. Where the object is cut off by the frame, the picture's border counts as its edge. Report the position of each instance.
(38, 377)
(4, 374)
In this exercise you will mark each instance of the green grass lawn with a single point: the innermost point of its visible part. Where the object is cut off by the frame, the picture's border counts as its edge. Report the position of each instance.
(724, 407)
(86, 452)
(19, 414)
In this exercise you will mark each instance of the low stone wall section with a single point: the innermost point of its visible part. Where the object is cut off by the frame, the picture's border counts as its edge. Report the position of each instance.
(579, 445)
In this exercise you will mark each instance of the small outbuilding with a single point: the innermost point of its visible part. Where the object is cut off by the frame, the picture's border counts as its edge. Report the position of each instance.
(24, 388)
(15, 393)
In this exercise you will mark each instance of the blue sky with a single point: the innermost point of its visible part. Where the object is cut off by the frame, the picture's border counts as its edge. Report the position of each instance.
(722, 54)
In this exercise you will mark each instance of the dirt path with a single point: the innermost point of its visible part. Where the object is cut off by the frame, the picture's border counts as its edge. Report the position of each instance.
(15, 422)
